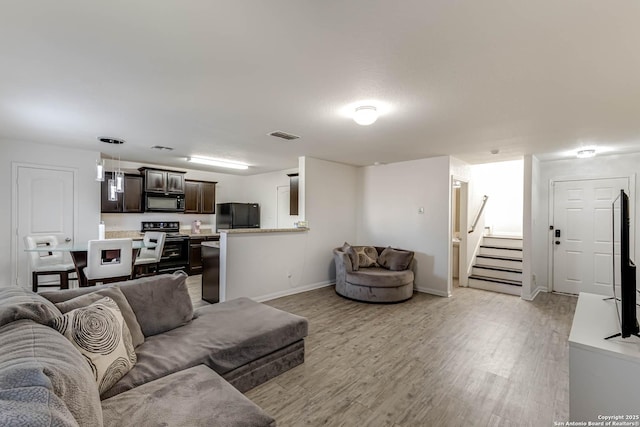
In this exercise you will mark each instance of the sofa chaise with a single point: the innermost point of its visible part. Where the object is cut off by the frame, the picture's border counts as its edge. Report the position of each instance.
(373, 273)
(190, 365)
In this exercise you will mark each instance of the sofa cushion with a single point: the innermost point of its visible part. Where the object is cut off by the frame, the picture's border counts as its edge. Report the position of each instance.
(113, 292)
(222, 336)
(395, 259)
(378, 277)
(192, 397)
(18, 303)
(353, 256)
(367, 256)
(101, 335)
(160, 302)
(36, 362)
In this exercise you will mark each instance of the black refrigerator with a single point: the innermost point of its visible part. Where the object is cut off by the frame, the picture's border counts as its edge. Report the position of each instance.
(237, 215)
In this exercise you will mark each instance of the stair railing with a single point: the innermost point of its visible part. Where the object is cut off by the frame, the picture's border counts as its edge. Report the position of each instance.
(475, 221)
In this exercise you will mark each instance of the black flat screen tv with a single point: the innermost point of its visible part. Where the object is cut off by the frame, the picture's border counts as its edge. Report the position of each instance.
(628, 290)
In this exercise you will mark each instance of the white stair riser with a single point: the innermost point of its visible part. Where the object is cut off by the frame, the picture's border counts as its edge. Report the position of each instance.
(499, 262)
(496, 241)
(501, 252)
(495, 287)
(497, 274)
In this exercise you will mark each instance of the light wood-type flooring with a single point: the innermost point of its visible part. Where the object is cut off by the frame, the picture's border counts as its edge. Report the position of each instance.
(476, 359)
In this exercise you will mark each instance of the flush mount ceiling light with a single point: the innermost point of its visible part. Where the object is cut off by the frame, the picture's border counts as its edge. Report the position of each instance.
(218, 162)
(585, 154)
(365, 115)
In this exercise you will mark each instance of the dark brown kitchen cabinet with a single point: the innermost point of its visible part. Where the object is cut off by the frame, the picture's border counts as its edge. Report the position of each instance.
(195, 252)
(293, 193)
(191, 197)
(163, 181)
(128, 202)
(200, 197)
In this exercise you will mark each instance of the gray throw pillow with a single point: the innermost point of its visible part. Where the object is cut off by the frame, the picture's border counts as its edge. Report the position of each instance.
(395, 259)
(101, 335)
(17, 303)
(367, 256)
(115, 294)
(161, 303)
(353, 256)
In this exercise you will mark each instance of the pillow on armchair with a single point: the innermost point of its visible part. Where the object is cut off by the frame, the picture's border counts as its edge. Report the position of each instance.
(367, 256)
(395, 259)
(351, 253)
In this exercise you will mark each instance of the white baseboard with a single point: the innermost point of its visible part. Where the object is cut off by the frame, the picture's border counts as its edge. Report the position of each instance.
(437, 292)
(534, 294)
(293, 291)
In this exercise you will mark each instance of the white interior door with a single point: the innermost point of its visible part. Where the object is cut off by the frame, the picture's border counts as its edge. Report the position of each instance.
(45, 206)
(582, 254)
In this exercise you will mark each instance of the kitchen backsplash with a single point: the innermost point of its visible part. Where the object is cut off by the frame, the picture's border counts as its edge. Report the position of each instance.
(123, 222)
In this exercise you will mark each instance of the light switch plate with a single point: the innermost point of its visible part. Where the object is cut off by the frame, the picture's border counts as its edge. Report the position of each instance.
(421, 210)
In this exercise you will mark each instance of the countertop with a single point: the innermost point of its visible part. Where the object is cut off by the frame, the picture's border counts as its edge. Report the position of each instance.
(211, 244)
(201, 234)
(137, 235)
(263, 230)
(124, 234)
(134, 234)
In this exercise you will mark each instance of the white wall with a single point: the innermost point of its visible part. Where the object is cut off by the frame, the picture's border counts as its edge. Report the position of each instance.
(529, 206)
(503, 183)
(263, 189)
(269, 265)
(264, 266)
(390, 198)
(597, 167)
(82, 161)
(330, 207)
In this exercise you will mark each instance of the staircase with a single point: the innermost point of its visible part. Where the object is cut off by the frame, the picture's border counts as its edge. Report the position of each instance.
(498, 265)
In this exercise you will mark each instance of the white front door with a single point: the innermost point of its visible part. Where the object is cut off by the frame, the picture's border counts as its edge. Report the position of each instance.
(582, 253)
(44, 206)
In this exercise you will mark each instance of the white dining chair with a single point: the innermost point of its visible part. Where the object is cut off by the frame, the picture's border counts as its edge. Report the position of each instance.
(150, 255)
(108, 261)
(48, 263)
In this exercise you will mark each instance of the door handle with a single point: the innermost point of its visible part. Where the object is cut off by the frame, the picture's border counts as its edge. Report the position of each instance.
(68, 239)
(557, 242)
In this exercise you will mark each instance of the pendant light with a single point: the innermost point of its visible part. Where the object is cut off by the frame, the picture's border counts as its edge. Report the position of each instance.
(119, 178)
(113, 195)
(100, 170)
(115, 184)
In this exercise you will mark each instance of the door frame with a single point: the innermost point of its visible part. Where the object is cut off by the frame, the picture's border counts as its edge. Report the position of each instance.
(551, 197)
(463, 276)
(15, 243)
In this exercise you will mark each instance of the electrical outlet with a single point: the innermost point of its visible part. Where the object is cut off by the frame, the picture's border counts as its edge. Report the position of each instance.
(420, 210)
(289, 275)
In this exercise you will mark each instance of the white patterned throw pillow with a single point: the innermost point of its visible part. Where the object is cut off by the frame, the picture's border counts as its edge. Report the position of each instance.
(101, 335)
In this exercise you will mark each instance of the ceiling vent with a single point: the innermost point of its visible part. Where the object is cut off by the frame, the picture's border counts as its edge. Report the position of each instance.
(284, 135)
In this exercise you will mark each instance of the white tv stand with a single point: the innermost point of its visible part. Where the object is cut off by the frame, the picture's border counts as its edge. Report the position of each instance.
(604, 375)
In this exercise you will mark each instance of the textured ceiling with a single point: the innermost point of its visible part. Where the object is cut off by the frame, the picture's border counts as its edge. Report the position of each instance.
(213, 78)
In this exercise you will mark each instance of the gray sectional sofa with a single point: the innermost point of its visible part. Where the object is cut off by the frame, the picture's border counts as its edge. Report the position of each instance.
(191, 368)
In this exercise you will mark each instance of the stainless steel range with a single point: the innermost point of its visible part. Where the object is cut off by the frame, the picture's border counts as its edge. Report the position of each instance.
(175, 255)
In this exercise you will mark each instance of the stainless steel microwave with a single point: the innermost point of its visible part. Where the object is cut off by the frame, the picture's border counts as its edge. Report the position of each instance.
(163, 202)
